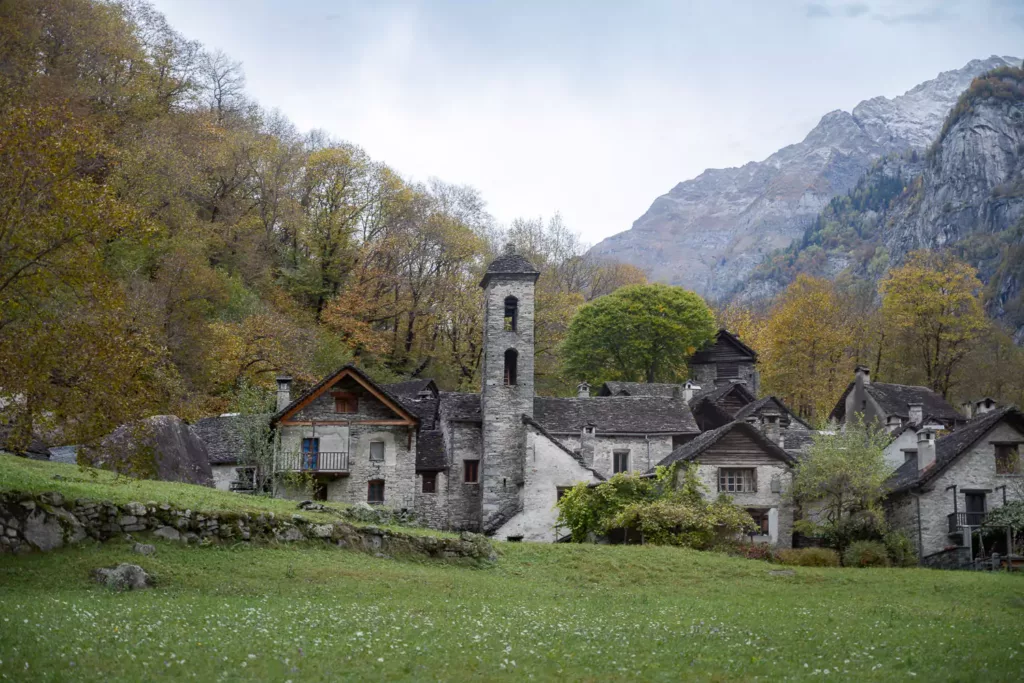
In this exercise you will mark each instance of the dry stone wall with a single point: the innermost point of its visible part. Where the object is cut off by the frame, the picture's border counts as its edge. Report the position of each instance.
(48, 521)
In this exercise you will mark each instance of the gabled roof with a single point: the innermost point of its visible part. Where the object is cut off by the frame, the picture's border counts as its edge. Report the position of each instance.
(615, 414)
(510, 264)
(752, 408)
(727, 338)
(527, 420)
(715, 394)
(952, 446)
(222, 436)
(348, 370)
(895, 398)
(638, 389)
(692, 450)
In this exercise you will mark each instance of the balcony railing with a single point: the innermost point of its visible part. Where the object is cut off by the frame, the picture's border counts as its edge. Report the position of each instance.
(957, 520)
(325, 461)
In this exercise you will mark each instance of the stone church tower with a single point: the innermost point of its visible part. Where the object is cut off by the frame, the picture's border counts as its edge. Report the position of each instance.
(507, 392)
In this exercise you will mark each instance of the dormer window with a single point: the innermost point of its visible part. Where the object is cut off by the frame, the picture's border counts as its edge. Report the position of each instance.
(589, 430)
(511, 361)
(345, 402)
(511, 313)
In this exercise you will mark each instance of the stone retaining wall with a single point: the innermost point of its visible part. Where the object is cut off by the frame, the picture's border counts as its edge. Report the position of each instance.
(48, 521)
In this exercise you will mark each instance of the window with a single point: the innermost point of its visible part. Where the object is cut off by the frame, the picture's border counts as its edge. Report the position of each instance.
(375, 491)
(620, 461)
(760, 518)
(470, 471)
(376, 451)
(310, 453)
(511, 313)
(589, 429)
(430, 482)
(909, 454)
(511, 360)
(560, 491)
(345, 402)
(737, 480)
(1007, 458)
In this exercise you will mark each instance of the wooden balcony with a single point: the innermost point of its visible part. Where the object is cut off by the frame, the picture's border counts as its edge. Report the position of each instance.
(324, 462)
(958, 520)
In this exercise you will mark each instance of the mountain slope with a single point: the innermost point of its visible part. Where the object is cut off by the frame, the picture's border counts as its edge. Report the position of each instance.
(709, 233)
(966, 194)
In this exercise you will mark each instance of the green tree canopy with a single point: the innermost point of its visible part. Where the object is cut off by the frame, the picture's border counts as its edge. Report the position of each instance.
(640, 333)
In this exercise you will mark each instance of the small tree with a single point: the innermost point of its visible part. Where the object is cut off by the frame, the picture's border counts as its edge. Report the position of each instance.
(844, 476)
(643, 333)
(254, 405)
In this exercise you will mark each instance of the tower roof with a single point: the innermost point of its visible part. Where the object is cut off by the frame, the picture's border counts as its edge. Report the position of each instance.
(510, 263)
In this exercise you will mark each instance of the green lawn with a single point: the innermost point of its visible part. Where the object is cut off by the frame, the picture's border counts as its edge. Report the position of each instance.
(546, 612)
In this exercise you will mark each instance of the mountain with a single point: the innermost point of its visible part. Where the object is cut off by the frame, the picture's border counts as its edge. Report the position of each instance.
(709, 233)
(965, 194)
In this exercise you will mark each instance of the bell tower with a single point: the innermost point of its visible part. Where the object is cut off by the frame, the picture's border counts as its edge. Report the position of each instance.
(507, 392)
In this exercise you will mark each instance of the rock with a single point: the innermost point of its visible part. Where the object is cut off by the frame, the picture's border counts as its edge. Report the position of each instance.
(168, 533)
(28, 504)
(289, 535)
(321, 530)
(42, 531)
(74, 530)
(127, 520)
(52, 498)
(144, 548)
(163, 445)
(136, 509)
(123, 577)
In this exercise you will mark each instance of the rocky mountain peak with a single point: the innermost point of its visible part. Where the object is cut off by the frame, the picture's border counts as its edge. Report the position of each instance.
(709, 233)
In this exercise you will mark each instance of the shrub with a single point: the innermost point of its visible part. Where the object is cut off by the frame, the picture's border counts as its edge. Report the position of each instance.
(809, 557)
(866, 554)
(900, 548)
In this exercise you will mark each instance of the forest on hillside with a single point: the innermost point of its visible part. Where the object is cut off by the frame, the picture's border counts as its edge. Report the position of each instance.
(166, 241)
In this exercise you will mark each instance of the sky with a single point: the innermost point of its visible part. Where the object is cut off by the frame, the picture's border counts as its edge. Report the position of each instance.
(589, 109)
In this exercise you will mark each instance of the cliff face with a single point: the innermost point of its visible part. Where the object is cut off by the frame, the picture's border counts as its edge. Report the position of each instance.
(709, 233)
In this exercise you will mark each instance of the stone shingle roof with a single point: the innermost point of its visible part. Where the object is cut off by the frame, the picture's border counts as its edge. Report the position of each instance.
(639, 389)
(615, 414)
(510, 264)
(894, 399)
(714, 394)
(423, 408)
(430, 455)
(693, 449)
(797, 441)
(752, 408)
(460, 407)
(952, 446)
(411, 388)
(723, 336)
(222, 437)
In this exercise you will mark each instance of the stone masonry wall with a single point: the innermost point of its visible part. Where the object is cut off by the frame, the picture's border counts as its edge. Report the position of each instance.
(644, 453)
(48, 521)
(762, 498)
(464, 500)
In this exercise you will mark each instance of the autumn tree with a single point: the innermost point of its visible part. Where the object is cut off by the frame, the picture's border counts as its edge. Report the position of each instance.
(643, 333)
(933, 306)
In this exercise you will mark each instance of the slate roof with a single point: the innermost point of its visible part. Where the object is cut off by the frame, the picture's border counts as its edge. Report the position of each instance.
(411, 388)
(222, 438)
(615, 414)
(423, 408)
(460, 407)
(704, 355)
(551, 437)
(797, 441)
(639, 389)
(894, 398)
(714, 394)
(693, 449)
(430, 455)
(752, 408)
(510, 264)
(952, 446)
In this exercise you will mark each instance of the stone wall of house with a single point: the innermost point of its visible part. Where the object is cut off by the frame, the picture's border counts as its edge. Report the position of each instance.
(321, 409)
(644, 452)
(223, 475)
(432, 508)
(547, 469)
(952, 558)
(976, 470)
(894, 451)
(763, 498)
(901, 513)
(48, 521)
(464, 441)
(504, 435)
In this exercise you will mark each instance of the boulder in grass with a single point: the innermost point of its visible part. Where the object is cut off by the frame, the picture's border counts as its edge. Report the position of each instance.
(123, 577)
(161, 447)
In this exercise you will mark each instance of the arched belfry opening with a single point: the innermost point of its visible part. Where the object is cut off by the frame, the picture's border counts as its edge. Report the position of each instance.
(511, 313)
(511, 366)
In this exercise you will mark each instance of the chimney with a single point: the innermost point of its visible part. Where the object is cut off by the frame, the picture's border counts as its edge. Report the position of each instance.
(770, 427)
(583, 390)
(689, 390)
(862, 375)
(916, 412)
(587, 439)
(967, 409)
(284, 392)
(925, 448)
(985, 405)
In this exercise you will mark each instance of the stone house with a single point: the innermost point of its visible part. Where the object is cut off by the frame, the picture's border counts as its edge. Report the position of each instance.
(945, 492)
(725, 361)
(893, 405)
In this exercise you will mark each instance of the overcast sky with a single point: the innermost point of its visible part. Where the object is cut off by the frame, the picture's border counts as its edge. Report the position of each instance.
(587, 108)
